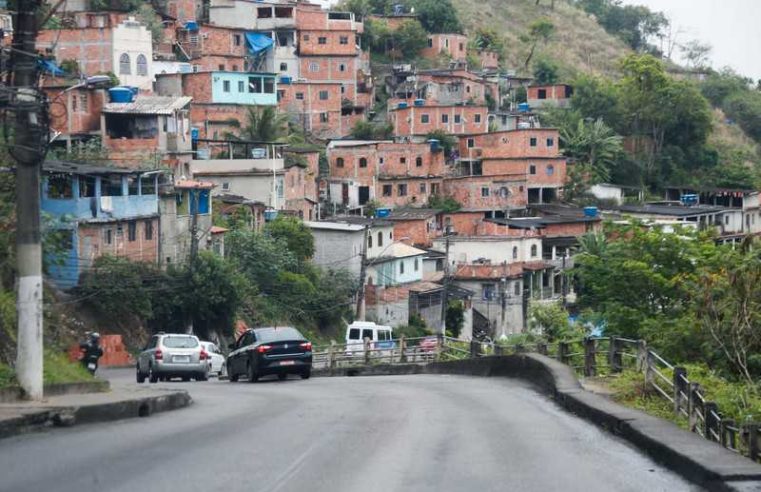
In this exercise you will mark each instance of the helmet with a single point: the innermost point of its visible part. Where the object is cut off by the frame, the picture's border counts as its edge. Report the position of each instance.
(95, 336)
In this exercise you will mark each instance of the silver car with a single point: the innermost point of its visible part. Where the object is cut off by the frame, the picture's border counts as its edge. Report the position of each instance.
(170, 355)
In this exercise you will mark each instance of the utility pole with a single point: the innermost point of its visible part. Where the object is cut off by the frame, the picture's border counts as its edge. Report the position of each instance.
(28, 149)
(194, 204)
(445, 292)
(362, 275)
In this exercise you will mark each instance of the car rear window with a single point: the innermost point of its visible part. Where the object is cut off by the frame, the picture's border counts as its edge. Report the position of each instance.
(277, 334)
(179, 342)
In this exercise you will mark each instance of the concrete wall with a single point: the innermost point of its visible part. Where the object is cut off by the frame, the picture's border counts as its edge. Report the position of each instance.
(504, 318)
(135, 40)
(495, 250)
(390, 272)
(338, 250)
(239, 89)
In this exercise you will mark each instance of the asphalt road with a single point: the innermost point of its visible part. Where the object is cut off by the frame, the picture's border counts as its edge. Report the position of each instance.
(396, 433)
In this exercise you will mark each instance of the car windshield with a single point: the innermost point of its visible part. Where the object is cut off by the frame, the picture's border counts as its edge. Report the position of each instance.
(180, 342)
(276, 334)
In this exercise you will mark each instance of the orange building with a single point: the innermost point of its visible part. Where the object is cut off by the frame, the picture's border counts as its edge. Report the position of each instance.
(452, 45)
(422, 119)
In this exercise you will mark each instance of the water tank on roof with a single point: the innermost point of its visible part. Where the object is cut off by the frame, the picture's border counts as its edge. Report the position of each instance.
(194, 133)
(382, 212)
(419, 102)
(285, 79)
(524, 108)
(590, 211)
(689, 199)
(270, 215)
(435, 145)
(402, 105)
(259, 153)
(120, 95)
(191, 25)
(524, 125)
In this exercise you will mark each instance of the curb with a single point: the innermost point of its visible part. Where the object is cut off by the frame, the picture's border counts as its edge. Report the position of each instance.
(699, 461)
(15, 394)
(90, 414)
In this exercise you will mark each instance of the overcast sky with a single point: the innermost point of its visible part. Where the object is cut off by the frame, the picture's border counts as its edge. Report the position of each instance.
(732, 27)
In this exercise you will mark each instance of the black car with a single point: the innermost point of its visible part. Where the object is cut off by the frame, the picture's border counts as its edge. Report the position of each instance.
(264, 351)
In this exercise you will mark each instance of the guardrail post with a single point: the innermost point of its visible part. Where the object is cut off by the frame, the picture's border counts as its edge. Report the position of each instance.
(751, 432)
(693, 403)
(711, 423)
(402, 348)
(615, 359)
(367, 351)
(727, 434)
(643, 356)
(649, 372)
(563, 352)
(332, 356)
(440, 347)
(590, 360)
(680, 386)
(542, 348)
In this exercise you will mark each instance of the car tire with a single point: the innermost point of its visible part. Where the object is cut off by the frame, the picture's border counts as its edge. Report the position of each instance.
(252, 376)
(204, 376)
(306, 374)
(152, 376)
(223, 371)
(282, 376)
(140, 376)
(233, 377)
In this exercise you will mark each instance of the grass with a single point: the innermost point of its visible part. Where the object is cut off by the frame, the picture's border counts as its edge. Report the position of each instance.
(7, 377)
(56, 369)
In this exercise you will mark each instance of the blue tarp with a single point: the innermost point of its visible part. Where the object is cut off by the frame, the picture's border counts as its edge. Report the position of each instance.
(258, 42)
(51, 67)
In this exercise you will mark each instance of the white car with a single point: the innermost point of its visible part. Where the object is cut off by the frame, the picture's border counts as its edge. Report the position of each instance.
(217, 366)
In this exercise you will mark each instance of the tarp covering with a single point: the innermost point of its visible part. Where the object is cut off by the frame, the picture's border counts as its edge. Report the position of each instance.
(258, 42)
(50, 67)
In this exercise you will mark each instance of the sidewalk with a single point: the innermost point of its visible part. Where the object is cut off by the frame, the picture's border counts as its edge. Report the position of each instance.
(121, 402)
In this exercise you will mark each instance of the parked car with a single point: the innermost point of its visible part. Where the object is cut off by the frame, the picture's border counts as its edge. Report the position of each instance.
(429, 344)
(381, 337)
(217, 366)
(170, 355)
(264, 351)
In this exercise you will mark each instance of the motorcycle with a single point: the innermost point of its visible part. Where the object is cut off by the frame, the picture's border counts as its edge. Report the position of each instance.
(91, 352)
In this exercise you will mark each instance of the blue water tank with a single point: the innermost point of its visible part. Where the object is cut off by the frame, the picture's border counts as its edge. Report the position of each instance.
(270, 215)
(285, 79)
(435, 145)
(135, 90)
(194, 133)
(419, 102)
(524, 108)
(590, 211)
(689, 199)
(191, 25)
(401, 105)
(382, 212)
(120, 95)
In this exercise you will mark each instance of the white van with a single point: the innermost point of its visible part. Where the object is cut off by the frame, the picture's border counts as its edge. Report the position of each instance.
(381, 337)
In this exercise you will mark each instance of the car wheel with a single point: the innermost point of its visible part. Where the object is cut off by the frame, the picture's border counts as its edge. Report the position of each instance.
(223, 371)
(252, 376)
(140, 376)
(306, 374)
(204, 376)
(233, 377)
(152, 376)
(282, 376)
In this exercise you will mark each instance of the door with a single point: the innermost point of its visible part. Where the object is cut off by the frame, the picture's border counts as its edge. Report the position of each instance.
(345, 193)
(364, 194)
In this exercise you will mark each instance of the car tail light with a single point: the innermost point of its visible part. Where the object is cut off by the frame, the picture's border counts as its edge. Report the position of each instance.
(204, 355)
(158, 355)
(306, 346)
(264, 348)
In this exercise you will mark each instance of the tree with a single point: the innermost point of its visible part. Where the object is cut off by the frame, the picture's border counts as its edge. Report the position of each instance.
(593, 144)
(550, 320)
(437, 16)
(455, 318)
(146, 14)
(538, 31)
(545, 72)
(409, 38)
(696, 53)
(596, 98)
(488, 39)
(297, 237)
(265, 125)
(447, 141)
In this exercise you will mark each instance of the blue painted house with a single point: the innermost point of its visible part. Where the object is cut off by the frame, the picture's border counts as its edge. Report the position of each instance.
(99, 211)
(243, 88)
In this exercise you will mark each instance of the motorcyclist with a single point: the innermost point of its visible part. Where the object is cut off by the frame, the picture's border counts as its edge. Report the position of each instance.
(91, 352)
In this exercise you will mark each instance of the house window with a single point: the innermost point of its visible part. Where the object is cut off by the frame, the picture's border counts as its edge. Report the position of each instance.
(504, 192)
(402, 160)
(417, 264)
(532, 169)
(446, 43)
(343, 40)
(323, 95)
(484, 191)
(323, 117)
(387, 190)
(517, 288)
(124, 65)
(380, 239)
(226, 85)
(306, 37)
(269, 86)
(148, 228)
(235, 68)
(533, 250)
(425, 118)
(283, 67)
(515, 252)
(132, 231)
(542, 94)
(401, 268)
(322, 40)
(457, 118)
(314, 67)
(550, 170)
(401, 190)
(300, 96)
(532, 141)
(445, 118)
(550, 142)
(462, 47)
(467, 89)
(430, 42)
(109, 236)
(340, 162)
(478, 118)
(254, 84)
(236, 39)
(422, 188)
(222, 66)
(341, 67)
(362, 162)
(241, 86)
(142, 65)
(418, 161)
(471, 143)
(369, 241)
(487, 291)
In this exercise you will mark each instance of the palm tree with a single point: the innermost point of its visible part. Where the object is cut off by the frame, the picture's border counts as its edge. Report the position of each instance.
(593, 144)
(264, 125)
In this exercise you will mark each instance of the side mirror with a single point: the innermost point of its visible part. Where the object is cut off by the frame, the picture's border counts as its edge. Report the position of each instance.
(231, 346)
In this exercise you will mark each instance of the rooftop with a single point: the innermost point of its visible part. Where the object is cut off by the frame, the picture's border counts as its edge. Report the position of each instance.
(398, 250)
(541, 222)
(149, 105)
(360, 220)
(668, 210)
(334, 226)
(413, 213)
(493, 272)
(55, 166)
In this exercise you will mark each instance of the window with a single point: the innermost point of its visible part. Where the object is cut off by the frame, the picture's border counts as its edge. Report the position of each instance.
(323, 117)
(425, 118)
(462, 47)
(109, 236)
(484, 191)
(322, 40)
(74, 103)
(467, 89)
(515, 252)
(550, 142)
(363, 162)
(430, 42)
(124, 65)
(343, 40)
(300, 96)
(369, 241)
(111, 186)
(402, 160)
(380, 239)
(418, 161)
(380, 160)
(314, 67)
(269, 86)
(387, 190)
(226, 186)
(341, 67)
(254, 84)
(241, 86)
(517, 288)
(532, 169)
(132, 231)
(132, 186)
(471, 143)
(323, 95)
(343, 89)
(59, 186)
(504, 192)
(445, 118)
(226, 85)
(236, 39)
(542, 94)
(401, 190)
(235, 68)
(306, 37)
(401, 267)
(487, 291)
(532, 141)
(478, 118)
(446, 43)
(283, 67)
(147, 185)
(417, 264)
(533, 250)
(142, 65)
(340, 162)
(422, 188)
(457, 118)
(222, 66)
(550, 170)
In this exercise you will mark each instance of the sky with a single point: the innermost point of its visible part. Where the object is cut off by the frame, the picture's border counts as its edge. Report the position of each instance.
(731, 27)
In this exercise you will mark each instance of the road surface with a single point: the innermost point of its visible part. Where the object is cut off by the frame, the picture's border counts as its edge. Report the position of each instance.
(396, 433)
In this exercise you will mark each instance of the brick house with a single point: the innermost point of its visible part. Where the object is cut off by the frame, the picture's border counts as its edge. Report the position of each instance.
(489, 59)
(391, 173)
(178, 203)
(545, 96)
(423, 119)
(74, 112)
(302, 166)
(317, 107)
(451, 45)
(104, 42)
(417, 226)
(443, 87)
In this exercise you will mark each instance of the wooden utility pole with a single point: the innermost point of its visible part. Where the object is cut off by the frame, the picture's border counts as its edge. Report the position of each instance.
(362, 274)
(28, 150)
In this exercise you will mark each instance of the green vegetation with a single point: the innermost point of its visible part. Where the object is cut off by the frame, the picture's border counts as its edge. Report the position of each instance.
(454, 318)
(447, 204)
(550, 321)
(365, 130)
(636, 25)
(7, 378)
(404, 42)
(540, 31)
(58, 369)
(740, 101)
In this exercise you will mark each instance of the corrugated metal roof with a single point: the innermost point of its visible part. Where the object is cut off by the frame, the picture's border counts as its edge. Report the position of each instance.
(149, 105)
(413, 213)
(55, 166)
